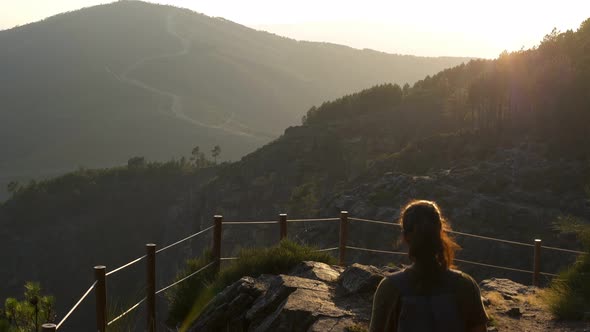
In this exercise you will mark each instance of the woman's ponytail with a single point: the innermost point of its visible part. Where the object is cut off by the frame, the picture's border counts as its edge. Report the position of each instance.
(424, 228)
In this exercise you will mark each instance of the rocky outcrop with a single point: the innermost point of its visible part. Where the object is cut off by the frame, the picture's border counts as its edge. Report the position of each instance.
(516, 307)
(319, 297)
(314, 297)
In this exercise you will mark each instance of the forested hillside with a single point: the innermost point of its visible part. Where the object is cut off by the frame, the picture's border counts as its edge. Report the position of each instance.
(95, 86)
(501, 144)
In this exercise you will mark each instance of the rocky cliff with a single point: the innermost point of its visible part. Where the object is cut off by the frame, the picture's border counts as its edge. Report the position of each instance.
(319, 297)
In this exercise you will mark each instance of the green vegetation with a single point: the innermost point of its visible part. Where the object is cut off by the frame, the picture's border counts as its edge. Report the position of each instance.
(29, 313)
(182, 297)
(189, 299)
(569, 295)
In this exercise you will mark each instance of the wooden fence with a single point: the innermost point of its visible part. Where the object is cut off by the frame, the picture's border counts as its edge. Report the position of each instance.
(100, 273)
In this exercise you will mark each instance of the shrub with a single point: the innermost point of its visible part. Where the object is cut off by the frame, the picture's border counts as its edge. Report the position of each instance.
(189, 300)
(182, 297)
(569, 294)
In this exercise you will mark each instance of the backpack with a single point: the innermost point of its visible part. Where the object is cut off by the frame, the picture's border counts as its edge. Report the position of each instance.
(437, 311)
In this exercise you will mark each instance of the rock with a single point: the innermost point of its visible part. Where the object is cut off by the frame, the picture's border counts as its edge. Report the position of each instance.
(514, 312)
(492, 329)
(228, 308)
(506, 287)
(317, 271)
(305, 299)
(359, 278)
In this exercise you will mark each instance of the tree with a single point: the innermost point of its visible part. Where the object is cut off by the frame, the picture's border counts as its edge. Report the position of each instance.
(28, 314)
(136, 162)
(215, 153)
(406, 89)
(198, 158)
(13, 187)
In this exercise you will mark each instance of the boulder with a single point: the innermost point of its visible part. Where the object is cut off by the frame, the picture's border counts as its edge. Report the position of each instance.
(306, 299)
(317, 271)
(359, 278)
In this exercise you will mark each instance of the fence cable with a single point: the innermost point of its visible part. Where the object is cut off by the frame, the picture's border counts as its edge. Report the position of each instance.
(457, 260)
(327, 249)
(228, 258)
(249, 222)
(185, 239)
(475, 236)
(125, 266)
(494, 266)
(565, 250)
(549, 274)
(185, 278)
(126, 312)
(75, 305)
(376, 222)
(317, 219)
(377, 251)
(491, 238)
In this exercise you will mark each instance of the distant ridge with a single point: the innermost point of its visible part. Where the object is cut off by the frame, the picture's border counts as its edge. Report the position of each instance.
(97, 86)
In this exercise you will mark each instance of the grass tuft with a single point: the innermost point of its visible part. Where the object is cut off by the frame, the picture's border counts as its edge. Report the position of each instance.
(569, 294)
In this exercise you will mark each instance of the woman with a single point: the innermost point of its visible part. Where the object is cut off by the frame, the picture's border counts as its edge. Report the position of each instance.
(428, 296)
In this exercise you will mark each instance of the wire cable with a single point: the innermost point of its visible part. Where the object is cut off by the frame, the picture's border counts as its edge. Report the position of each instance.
(376, 222)
(549, 274)
(565, 250)
(125, 266)
(477, 236)
(185, 239)
(126, 312)
(327, 249)
(491, 238)
(185, 278)
(377, 251)
(249, 222)
(63, 320)
(317, 219)
(493, 266)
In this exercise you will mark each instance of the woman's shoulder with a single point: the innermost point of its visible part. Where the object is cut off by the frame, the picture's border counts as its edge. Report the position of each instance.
(463, 280)
(393, 280)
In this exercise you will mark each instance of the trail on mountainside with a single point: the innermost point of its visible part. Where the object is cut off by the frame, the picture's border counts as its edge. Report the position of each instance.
(177, 105)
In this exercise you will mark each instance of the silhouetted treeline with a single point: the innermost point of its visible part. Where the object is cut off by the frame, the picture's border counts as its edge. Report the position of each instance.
(541, 92)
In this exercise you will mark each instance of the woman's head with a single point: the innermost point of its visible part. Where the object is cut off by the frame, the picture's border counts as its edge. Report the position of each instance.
(424, 230)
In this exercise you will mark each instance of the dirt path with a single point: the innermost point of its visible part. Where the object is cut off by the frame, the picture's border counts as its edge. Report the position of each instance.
(177, 105)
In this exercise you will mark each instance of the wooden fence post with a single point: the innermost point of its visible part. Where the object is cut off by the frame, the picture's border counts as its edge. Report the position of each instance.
(343, 237)
(151, 287)
(48, 327)
(283, 226)
(216, 250)
(537, 263)
(101, 297)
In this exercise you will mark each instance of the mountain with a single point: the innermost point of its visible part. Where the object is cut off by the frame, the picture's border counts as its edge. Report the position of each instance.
(97, 86)
(501, 144)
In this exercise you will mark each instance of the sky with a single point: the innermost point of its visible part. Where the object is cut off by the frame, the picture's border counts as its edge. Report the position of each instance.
(418, 27)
